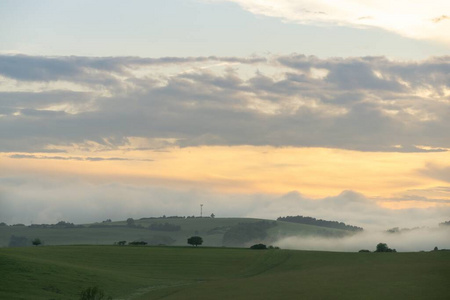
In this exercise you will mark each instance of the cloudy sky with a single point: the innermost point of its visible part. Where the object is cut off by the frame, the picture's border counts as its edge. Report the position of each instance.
(262, 108)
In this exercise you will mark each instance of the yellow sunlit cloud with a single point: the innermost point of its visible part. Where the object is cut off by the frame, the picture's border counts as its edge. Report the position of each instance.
(413, 19)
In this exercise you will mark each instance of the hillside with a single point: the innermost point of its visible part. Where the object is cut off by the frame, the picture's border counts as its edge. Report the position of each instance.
(62, 272)
(235, 232)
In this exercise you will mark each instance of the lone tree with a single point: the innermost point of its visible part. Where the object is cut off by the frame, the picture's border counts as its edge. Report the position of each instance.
(382, 247)
(36, 242)
(195, 241)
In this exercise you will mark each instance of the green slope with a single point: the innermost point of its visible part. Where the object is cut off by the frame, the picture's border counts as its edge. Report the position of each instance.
(61, 272)
(211, 230)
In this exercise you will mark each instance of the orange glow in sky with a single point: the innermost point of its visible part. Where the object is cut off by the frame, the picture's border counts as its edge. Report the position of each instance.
(314, 172)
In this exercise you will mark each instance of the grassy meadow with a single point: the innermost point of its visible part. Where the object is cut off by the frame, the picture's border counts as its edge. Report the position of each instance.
(127, 272)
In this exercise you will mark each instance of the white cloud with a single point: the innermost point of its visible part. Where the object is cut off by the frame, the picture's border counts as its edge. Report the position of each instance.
(413, 19)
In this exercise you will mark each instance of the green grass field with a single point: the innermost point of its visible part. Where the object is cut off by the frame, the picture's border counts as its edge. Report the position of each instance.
(211, 230)
(126, 272)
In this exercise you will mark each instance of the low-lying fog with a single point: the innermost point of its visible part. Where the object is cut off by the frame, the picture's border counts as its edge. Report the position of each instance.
(422, 239)
(31, 200)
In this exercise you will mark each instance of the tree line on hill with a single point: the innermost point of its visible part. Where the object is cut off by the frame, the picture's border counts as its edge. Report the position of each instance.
(212, 216)
(319, 222)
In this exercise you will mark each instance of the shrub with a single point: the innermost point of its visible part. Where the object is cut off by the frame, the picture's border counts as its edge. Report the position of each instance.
(36, 242)
(137, 243)
(259, 247)
(382, 247)
(195, 241)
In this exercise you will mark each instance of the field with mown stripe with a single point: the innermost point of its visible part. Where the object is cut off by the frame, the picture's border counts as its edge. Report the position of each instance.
(127, 272)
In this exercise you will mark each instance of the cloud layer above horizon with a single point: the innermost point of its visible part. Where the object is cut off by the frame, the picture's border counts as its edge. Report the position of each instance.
(365, 103)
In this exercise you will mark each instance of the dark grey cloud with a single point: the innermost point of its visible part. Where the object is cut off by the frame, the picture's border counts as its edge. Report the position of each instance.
(363, 103)
(41, 68)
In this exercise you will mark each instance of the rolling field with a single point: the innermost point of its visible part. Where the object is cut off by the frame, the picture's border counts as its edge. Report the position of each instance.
(61, 272)
(212, 231)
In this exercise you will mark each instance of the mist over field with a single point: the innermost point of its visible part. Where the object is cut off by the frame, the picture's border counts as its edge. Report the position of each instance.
(49, 201)
(422, 239)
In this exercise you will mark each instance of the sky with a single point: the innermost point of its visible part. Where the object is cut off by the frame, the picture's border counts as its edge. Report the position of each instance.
(253, 108)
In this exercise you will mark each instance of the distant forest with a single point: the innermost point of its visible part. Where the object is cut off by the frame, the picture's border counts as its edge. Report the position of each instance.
(320, 222)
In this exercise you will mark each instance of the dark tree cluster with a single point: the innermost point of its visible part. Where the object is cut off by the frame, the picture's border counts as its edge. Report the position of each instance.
(258, 247)
(137, 243)
(59, 225)
(243, 233)
(382, 247)
(164, 227)
(195, 240)
(163, 217)
(319, 222)
(36, 242)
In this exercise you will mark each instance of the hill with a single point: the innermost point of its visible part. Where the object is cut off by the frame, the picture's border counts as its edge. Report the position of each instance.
(62, 272)
(319, 222)
(234, 232)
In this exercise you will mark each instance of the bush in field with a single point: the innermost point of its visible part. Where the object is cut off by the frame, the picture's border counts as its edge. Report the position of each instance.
(195, 241)
(259, 247)
(382, 247)
(36, 242)
(137, 243)
(93, 293)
